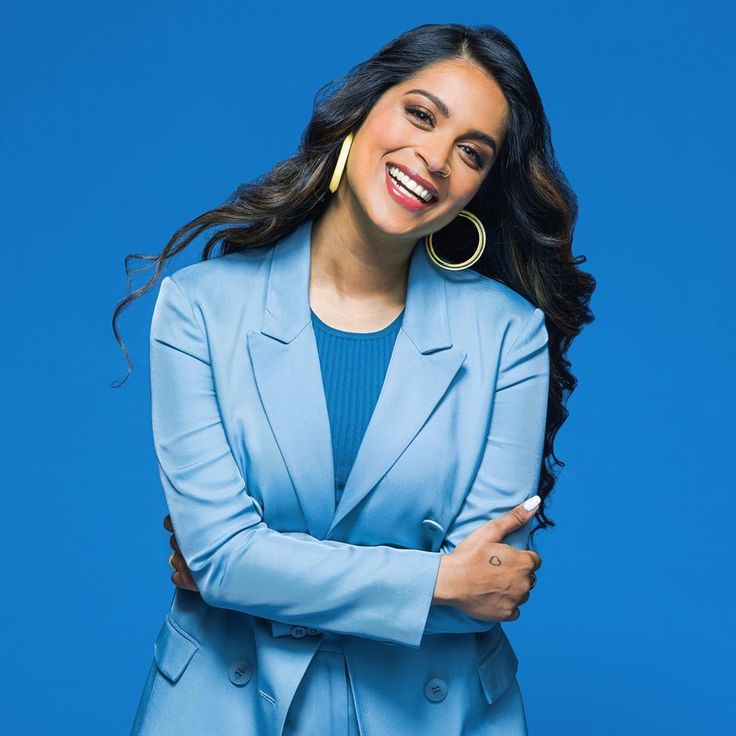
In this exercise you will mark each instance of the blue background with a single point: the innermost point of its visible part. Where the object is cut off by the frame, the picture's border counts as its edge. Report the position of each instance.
(122, 122)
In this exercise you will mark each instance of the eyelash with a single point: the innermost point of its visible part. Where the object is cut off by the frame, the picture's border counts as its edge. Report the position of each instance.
(417, 112)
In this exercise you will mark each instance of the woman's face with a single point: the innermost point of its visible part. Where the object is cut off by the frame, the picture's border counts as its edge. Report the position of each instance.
(450, 116)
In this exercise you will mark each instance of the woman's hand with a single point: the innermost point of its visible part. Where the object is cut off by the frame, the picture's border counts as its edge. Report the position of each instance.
(181, 575)
(485, 578)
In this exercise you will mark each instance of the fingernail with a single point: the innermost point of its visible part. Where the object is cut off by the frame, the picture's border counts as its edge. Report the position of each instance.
(531, 503)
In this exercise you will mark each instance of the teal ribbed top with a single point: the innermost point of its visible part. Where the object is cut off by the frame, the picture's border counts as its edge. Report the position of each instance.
(353, 368)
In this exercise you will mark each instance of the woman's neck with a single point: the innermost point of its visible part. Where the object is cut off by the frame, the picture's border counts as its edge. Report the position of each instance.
(357, 262)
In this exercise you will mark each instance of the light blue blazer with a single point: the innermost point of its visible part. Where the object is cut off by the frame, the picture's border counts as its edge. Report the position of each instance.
(242, 437)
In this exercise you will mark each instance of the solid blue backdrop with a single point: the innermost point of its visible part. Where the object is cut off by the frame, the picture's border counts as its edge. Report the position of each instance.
(121, 123)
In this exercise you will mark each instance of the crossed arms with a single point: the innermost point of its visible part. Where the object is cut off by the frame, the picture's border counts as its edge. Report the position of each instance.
(238, 562)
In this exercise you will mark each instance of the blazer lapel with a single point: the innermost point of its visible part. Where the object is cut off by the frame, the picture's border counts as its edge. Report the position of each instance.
(287, 370)
(289, 379)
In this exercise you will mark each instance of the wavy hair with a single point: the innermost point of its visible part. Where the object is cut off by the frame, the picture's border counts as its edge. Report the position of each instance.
(525, 202)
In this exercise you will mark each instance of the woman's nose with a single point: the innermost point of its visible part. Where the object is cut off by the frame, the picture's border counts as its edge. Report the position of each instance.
(436, 156)
(436, 162)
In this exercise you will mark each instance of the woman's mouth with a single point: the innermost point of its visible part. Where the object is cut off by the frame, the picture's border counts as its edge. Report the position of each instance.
(406, 191)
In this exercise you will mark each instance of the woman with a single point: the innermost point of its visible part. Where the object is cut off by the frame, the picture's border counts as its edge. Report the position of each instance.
(353, 406)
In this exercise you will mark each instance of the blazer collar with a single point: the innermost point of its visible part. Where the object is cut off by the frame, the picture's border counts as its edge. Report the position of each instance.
(286, 366)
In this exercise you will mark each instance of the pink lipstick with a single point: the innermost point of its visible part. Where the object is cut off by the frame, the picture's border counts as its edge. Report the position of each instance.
(403, 197)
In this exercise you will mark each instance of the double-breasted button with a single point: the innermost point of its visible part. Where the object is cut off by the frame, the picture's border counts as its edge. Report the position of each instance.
(432, 526)
(435, 689)
(298, 632)
(310, 630)
(240, 672)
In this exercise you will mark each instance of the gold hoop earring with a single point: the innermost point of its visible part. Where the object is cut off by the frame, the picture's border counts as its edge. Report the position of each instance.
(342, 159)
(478, 251)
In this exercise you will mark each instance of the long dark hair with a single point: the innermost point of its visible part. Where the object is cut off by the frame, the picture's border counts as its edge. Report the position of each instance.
(525, 202)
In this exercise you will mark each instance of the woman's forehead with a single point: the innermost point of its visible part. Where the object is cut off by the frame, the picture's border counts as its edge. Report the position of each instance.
(463, 90)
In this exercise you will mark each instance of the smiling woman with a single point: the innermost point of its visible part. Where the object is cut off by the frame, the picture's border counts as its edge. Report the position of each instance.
(354, 428)
(428, 125)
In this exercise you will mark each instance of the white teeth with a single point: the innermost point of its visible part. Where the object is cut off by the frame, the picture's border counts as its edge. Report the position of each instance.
(409, 183)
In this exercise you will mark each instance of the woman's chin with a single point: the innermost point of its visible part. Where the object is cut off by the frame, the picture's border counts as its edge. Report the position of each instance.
(394, 224)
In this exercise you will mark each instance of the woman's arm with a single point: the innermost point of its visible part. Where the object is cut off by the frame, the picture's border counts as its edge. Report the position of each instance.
(512, 462)
(237, 562)
(510, 467)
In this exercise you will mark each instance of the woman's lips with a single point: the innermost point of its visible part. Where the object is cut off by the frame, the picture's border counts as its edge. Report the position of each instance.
(407, 200)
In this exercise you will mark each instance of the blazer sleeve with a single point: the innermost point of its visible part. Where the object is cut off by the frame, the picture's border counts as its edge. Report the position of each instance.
(511, 464)
(238, 562)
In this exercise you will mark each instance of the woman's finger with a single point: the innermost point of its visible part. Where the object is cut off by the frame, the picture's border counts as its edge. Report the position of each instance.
(181, 576)
(176, 578)
(536, 559)
(167, 523)
(183, 581)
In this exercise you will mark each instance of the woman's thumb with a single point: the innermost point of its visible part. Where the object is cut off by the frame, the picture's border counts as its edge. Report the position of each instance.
(514, 519)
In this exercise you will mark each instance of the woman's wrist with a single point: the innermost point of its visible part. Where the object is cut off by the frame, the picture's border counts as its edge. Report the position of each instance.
(446, 587)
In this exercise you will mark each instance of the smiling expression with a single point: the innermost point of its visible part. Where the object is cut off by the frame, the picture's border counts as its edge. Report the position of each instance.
(450, 116)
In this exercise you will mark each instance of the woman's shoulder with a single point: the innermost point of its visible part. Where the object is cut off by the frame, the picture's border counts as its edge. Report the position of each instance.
(474, 290)
(489, 312)
(221, 273)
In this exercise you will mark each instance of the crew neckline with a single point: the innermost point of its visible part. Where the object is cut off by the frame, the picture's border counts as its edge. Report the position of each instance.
(355, 335)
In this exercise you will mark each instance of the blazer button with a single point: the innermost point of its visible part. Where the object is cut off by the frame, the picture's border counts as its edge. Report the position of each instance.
(310, 630)
(435, 689)
(432, 526)
(240, 672)
(298, 632)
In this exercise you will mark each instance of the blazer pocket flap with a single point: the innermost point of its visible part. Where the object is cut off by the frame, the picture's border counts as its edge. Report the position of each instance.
(497, 669)
(173, 650)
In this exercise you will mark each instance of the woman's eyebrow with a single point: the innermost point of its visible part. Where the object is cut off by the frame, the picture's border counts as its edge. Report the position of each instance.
(473, 133)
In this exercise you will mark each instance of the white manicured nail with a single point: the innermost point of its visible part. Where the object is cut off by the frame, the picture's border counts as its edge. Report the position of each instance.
(531, 503)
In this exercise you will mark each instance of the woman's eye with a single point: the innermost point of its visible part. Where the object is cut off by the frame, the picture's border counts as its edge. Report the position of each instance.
(476, 156)
(424, 116)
